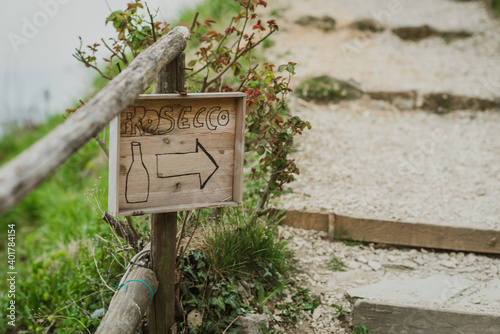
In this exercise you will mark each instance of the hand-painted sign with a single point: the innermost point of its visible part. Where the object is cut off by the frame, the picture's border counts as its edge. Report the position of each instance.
(170, 152)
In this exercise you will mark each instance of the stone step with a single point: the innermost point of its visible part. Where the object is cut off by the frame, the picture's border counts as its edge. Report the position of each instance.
(436, 304)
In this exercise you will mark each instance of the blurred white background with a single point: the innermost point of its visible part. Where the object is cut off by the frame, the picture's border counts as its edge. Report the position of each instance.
(38, 74)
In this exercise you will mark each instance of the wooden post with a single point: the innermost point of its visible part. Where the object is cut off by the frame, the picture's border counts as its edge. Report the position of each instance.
(164, 228)
(163, 239)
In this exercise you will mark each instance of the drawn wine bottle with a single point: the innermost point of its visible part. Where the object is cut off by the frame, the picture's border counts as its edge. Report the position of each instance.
(137, 183)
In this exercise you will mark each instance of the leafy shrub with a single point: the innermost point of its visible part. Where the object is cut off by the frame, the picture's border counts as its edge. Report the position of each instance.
(218, 300)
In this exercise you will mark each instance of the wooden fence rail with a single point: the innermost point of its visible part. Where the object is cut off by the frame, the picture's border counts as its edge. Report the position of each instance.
(28, 170)
(129, 304)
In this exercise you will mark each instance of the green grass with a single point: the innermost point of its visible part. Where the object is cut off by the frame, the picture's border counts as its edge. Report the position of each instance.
(57, 210)
(362, 329)
(53, 225)
(495, 5)
(335, 264)
(236, 248)
(17, 138)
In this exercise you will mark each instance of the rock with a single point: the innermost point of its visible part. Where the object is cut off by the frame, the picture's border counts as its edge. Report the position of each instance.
(374, 265)
(392, 258)
(362, 259)
(449, 264)
(317, 313)
(250, 323)
(194, 319)
(344, 277)
(434, 289)
(319, 279)
(99, 313)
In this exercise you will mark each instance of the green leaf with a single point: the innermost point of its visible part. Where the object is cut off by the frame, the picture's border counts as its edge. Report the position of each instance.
(231, 301)
(219, 302)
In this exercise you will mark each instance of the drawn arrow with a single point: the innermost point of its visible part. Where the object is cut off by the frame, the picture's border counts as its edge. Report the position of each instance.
(199, 162)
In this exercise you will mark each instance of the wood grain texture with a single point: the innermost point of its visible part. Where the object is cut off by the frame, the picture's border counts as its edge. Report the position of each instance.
(164, 229)
(306, 220)
(177, 153)
(399, 319)
(163, 237)
(418, 235)
(129, 304)
(31, 167)
(397, 233)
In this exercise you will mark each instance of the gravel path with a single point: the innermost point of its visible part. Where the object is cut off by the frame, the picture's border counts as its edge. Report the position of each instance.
(382, 61)
(367, 158)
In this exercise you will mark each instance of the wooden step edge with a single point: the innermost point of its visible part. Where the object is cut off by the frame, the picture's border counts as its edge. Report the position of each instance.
(397, 233)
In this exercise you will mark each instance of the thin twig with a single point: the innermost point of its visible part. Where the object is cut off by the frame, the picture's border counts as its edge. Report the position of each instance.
(247, 77)
(197, 71)
(49, 328)
(194, 21)
(232, 322)
(97, 268)
(103, 145)
(152, 23)
(224, 38)
(181, 234)
(81, 59)
(243, 29)
(131, 225)
(189, 241)
(246, 49)
(107, 46)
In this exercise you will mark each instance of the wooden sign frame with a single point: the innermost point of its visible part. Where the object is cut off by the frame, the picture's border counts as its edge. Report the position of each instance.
(171, 152)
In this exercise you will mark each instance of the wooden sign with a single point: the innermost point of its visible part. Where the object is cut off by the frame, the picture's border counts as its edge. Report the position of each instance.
(170, 152)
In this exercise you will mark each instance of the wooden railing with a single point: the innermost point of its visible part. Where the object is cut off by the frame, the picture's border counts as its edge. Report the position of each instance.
(28, 170)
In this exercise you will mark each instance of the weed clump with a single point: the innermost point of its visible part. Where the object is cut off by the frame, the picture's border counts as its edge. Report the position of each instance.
(239, 248)
(325, 23)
